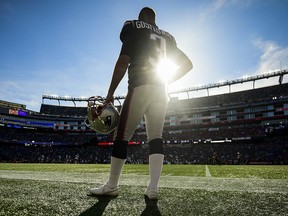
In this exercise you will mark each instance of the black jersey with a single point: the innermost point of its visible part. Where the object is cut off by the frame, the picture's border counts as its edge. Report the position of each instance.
(146, 45)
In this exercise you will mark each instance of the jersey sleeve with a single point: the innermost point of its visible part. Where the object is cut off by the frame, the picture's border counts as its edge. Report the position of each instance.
(126, 36)
(171, 46)
(174, 53)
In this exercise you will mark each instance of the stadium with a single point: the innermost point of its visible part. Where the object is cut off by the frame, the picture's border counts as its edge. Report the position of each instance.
(223, 148)
(244, 127)
(228, 150)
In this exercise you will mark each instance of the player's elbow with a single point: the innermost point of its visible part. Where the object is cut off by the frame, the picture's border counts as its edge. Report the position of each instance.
(187, 65)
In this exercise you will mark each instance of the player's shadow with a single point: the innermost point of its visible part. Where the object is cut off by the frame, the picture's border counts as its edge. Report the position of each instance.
(151, 208)
(98, 208)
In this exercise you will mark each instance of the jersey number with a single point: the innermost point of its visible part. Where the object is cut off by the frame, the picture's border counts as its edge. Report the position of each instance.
(160, 50)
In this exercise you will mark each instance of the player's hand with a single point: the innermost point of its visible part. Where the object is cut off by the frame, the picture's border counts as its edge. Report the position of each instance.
(108, 99)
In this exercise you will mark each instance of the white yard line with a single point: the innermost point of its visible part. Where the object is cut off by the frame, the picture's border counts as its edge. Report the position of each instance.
(208, 174)
(182, 182)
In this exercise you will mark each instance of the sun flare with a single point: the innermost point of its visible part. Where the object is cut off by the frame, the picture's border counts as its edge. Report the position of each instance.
(166, 69)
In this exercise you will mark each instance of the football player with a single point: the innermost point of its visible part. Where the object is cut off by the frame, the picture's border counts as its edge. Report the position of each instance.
(144, 45)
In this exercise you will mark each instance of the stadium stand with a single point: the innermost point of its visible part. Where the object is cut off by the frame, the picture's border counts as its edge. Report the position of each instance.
(63, 110)
(244, 127)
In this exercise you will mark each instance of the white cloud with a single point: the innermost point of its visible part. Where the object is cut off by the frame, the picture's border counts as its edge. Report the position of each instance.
(21, 92)
(273, 57)
(74, 82)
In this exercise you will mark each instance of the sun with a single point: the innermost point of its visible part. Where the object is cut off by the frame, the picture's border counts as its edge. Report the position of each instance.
(166, 68)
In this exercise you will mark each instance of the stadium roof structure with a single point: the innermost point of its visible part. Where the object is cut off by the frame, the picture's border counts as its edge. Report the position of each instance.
(253, 79)
(73, 99)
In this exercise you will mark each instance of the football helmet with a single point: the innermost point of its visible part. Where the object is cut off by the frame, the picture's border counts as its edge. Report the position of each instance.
(101, 117)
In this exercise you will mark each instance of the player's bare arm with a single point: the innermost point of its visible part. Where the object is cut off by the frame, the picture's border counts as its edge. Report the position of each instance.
(118, 74)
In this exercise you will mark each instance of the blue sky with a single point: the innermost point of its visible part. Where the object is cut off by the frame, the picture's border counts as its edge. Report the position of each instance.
(69, 47)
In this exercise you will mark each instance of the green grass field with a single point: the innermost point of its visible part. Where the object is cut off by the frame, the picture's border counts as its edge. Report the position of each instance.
(61, 189)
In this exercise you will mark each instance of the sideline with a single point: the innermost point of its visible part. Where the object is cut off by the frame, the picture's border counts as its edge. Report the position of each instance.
(182, 182)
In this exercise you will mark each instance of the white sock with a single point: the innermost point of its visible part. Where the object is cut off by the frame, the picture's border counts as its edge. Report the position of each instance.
(155, 169)
(115, 171)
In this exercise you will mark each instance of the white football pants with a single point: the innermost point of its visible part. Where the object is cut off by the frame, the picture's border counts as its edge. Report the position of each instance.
(148, 101)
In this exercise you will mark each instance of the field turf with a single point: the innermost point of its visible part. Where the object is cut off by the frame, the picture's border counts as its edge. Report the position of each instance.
(61, 189)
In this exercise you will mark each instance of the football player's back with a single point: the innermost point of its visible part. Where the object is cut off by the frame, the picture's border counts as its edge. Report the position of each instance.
(147, 45)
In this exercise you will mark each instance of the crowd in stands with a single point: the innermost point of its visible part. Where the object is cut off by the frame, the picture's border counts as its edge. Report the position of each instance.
(82, 148)
(49, 137)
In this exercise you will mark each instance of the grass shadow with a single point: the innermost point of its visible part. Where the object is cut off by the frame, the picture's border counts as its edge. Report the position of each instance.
(151, 208)
(99, 207)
